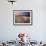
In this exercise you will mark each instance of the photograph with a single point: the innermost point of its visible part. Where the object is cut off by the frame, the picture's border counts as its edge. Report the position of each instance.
(22, 16)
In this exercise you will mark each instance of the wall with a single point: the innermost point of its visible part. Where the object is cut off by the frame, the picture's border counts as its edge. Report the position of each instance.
(38, 30)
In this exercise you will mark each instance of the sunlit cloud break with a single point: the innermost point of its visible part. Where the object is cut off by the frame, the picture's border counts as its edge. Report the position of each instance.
(23, 13)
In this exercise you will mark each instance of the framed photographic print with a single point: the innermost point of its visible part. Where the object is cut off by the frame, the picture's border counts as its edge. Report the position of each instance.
(22, 17)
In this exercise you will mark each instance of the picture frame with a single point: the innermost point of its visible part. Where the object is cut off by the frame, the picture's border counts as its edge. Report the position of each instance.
(22, 17)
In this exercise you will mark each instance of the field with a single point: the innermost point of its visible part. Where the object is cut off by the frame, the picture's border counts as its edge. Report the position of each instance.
(22, 19)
